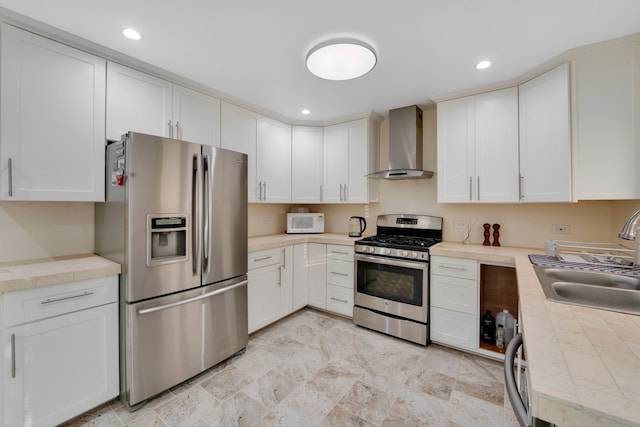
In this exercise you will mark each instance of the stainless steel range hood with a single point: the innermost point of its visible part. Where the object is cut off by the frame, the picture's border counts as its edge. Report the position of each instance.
(405, 146)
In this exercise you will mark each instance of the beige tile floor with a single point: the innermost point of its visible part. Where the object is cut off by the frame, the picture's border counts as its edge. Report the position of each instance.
(315, 369)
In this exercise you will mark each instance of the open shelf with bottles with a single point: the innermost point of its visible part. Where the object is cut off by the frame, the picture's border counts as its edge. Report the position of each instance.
(498, 291)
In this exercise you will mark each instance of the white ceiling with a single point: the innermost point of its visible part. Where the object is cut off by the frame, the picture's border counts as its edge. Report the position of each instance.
(254, 50)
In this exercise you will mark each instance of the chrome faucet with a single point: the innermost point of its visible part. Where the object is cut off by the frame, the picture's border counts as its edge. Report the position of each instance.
(630, 230)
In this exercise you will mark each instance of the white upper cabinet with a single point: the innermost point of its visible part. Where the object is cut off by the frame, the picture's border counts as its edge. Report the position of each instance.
(350, 153)
(606, 122)
(196, 117)
(545, 137)
(307, 148)
(140, 102)
(478, 148)
(52, 110)
(274, 161)
(268, 144)
(137, 102)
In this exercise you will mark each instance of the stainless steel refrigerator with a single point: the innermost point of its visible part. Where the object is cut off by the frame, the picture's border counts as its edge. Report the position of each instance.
(175, 218)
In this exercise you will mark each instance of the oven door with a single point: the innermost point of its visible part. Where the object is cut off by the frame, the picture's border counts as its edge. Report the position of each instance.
(393, 286)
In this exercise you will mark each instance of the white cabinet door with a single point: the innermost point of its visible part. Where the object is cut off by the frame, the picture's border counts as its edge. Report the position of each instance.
(60, 367)
(545, 138)
(52, 118)
(606, 123)
(239, 132)
(307, 148)
(478, 148)
(196, 117)
(496, 151)
(456, 150)
(263, 296)
(357, 183)
(454, 328)
(300, 275)
(336, 163)
(287, 269)
(317, 275)
(274, 161)
(137, 102)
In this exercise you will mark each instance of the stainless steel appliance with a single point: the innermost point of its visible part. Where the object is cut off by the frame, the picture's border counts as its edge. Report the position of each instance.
(357, 225)
(175, 218)
(392, 276)
(517, 385)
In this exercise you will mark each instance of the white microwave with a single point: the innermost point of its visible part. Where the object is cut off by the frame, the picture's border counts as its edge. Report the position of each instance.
(305, 223)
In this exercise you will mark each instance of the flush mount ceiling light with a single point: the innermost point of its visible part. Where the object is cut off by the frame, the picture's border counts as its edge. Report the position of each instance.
(306, 112)
(341, 59)
(131, 34)
(483, 64)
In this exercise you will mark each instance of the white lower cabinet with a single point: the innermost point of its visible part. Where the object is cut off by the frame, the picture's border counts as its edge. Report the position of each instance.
(300, 276)
(340, 279)
(318, 275)
(264, 288)
(60, 347)
(454, 302)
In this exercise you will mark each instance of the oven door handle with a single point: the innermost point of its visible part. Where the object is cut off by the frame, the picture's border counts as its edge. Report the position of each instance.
(390, 261)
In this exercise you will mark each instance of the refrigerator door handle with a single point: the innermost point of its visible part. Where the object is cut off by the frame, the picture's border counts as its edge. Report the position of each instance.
(190, 300)
(208, 209)
(196, 236)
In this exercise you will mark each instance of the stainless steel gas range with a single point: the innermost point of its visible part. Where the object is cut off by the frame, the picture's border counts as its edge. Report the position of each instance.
(392, 276)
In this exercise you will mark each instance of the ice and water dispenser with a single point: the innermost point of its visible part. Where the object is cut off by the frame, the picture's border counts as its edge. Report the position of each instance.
(166, 239)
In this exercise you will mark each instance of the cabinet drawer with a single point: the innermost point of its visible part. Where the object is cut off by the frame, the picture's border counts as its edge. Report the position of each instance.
(40, 303)
(340, 252)
(454, 267)
(340, 300)
(453, 328)
(263, 258)
(340, 273)
(454, 293)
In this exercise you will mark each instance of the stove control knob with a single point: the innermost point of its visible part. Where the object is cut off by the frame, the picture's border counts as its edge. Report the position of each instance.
(405, 253)
(415, 254)
(387, 251)
(372, 249)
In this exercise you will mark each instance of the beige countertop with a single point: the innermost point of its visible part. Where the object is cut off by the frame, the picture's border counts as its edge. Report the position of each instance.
(52, 271)
(277, 240)
(584, 363)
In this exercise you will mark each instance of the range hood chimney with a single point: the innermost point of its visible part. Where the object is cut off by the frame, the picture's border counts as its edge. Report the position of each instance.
(405, 146)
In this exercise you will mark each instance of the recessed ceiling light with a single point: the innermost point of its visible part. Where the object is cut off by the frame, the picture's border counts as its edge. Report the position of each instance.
(306, 112)
(131, 33)
(483, 64)
(341, 59)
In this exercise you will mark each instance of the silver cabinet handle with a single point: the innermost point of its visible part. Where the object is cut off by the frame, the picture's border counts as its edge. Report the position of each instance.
(170, 129)
(346, 193)
(453, 267)
(478, 185)
(284, 258)
(190, 300)
(521, 187)
(339, 274)
(10, 177)
(263, 258)
(341, 190)
(339, 300)
(178, 130)
(259, 190)
(470, 188)
(52, 300)
(264, 196)
(340, 252)
(13, 355)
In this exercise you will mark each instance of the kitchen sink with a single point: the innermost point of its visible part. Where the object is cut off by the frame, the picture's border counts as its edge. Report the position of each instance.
(607, 291)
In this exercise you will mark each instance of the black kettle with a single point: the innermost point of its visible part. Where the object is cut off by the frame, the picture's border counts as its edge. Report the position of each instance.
(357, 225)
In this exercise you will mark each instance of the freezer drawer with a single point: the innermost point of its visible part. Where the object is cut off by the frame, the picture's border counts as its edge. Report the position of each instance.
(171, 339)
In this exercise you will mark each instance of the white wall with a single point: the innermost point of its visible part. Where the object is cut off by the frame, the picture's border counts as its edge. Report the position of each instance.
(35, 230)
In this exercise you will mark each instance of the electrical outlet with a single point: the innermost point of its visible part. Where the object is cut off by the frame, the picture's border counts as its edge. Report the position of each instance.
(560, 229)
(460, 224)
